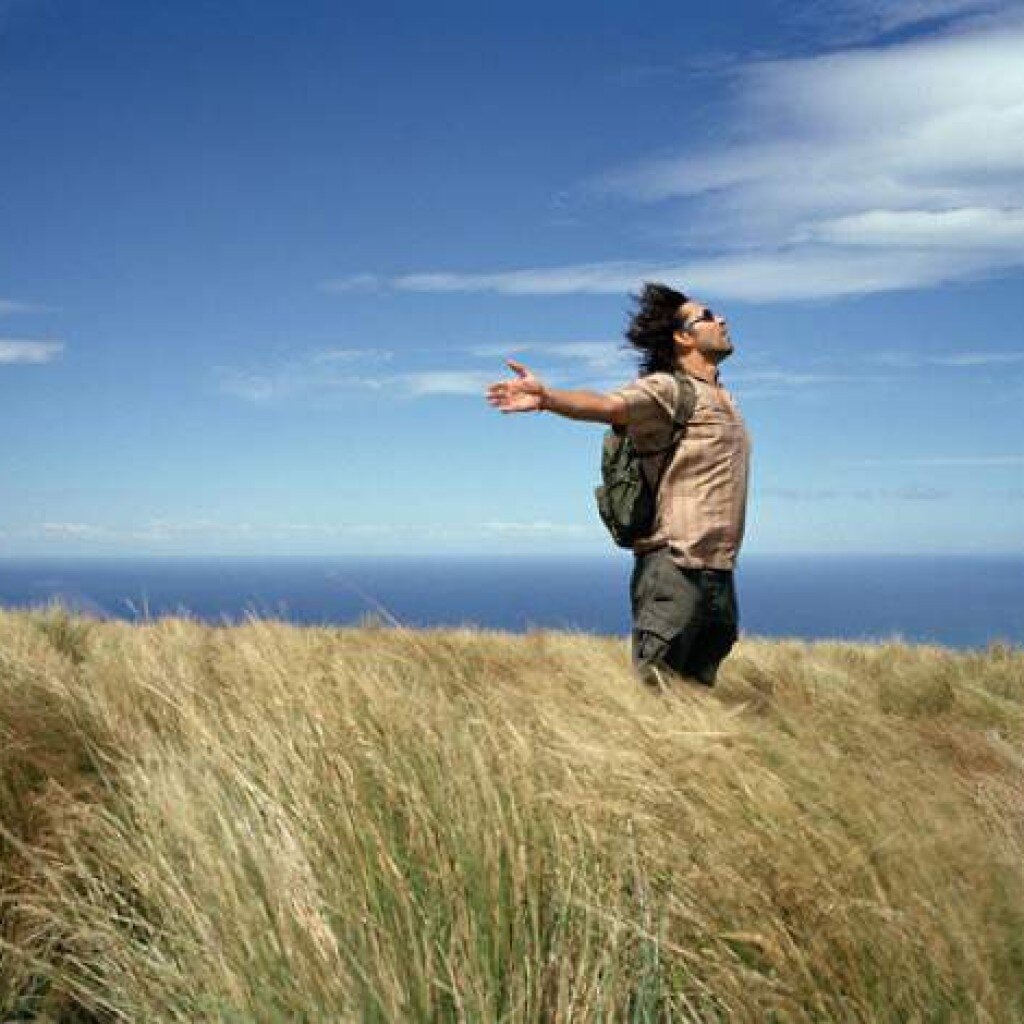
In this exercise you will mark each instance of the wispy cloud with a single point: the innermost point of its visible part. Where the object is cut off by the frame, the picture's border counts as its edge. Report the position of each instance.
(277, 386)
(591, 277)
(354, 283)
(916, 493)
(338, 356)
(851, 21)
(810, 494)
(805, 271)
(323, 371)
(861, 171)
(793, 379)
(17, 351)
(8, 307)
(800, 493)
(72, 531)
(967, 359)
(956, 360)
(541, 528)
(593, 356)
(966, 461)
(441, 382)
(172, 532)
(337, 371)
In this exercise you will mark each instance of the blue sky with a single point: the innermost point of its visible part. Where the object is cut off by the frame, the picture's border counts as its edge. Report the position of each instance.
(258, 262)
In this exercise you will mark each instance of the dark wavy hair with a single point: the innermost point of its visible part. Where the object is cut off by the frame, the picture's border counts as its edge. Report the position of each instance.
(652, 325)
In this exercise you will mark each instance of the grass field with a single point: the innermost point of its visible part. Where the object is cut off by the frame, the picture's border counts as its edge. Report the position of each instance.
(266, 823)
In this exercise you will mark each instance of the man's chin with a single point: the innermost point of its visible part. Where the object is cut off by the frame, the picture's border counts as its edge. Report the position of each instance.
(718, 350)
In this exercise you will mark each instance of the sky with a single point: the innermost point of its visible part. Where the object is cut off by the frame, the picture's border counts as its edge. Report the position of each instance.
(259, 261)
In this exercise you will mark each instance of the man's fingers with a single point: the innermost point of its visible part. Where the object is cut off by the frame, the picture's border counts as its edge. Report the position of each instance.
(515, 395)
(508, 400)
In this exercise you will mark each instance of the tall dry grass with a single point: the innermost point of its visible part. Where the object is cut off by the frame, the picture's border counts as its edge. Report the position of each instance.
(266, 823)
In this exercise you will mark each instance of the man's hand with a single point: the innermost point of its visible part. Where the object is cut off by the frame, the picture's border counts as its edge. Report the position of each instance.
(527, 393)
(524, 393)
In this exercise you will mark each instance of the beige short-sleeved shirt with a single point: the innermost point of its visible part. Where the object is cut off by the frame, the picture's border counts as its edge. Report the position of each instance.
(702, 497)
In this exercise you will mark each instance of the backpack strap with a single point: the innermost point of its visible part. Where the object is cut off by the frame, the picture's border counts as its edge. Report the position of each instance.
(686, 403)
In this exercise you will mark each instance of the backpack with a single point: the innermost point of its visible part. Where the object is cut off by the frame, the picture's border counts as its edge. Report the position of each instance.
(626, 499)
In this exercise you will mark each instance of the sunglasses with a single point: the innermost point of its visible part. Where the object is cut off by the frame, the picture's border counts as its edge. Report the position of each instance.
(703, 316)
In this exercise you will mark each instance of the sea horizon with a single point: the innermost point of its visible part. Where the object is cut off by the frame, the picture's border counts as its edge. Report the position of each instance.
(957, 600)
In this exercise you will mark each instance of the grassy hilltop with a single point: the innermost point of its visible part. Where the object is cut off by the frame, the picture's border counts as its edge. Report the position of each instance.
(269, 824)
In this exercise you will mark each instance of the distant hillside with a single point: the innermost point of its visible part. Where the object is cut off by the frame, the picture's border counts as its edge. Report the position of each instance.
(266, 823)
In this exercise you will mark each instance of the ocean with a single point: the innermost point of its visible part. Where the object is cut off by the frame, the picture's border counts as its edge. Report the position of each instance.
(958, 601)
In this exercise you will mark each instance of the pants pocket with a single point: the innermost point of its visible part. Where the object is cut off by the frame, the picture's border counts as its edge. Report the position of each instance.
(649, 648)
(665, 603)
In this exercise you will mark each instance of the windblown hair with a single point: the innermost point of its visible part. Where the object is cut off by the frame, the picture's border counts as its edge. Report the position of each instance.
(651, 327)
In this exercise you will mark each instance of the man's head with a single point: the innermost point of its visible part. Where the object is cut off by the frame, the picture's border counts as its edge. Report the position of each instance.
(702, 330)
(667, 325)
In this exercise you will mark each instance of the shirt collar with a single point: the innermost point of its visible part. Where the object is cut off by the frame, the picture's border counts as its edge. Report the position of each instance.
(715, 381)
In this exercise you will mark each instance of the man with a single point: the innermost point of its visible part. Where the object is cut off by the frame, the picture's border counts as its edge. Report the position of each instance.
(682, 595)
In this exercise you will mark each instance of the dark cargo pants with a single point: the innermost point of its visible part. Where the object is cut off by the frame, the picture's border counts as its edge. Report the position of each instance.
(684, 620)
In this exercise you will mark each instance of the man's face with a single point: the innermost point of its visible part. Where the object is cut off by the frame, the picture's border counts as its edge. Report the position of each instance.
(705, 331)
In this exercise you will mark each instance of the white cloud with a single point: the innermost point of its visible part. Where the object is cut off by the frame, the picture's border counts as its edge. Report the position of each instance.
(966, 228)
(904, 162)
(15, 351)
(855, 172)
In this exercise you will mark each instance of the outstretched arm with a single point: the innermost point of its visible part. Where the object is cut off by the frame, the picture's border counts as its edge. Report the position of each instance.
(527, 393)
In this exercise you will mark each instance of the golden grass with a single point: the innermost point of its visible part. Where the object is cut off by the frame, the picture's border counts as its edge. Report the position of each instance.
(267, 823)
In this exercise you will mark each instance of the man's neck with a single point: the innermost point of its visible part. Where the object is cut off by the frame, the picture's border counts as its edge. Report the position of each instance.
(696, 364)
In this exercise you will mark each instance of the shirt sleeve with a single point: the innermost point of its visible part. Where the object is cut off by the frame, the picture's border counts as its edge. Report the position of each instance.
(650, 403)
